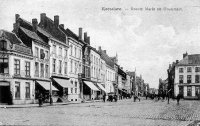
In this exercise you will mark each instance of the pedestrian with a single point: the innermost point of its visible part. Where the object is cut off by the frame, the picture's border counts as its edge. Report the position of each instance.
(178, 98)
(104, 97)
(40, 99)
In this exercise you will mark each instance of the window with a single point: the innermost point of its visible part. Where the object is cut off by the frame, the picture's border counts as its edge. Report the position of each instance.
(17, 67)
(75, 84)
(91, 58)
(80, 53)
(27, 68)
(60, 66)
(54, 49)
(41, 70)
(71, 90)
(196, 78)
(75, 51)
(36, 69)
(197, 69)
(197, 90)
(189, 91)
(80, 68)
(180, 70)
(75, 90)
(71, 49)
(46, 55)
(188, 78)
(17, 90)
(189, 69)
(65, 67)
(46, 71)
(36, 52)
(72, 82)
(27, 93)
(71, 62)
(60, 51)
(54, 65)
(75, 67)
(3, 45)
(42, 55)
(4, 65)
(66, 53)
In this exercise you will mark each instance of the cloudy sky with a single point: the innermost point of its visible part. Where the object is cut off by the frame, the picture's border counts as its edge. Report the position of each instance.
(145, 40)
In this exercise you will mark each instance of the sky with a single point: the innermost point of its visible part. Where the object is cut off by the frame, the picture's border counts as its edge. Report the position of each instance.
(144, 40)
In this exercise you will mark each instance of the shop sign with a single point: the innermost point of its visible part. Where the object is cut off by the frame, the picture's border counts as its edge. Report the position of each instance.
(22, 49)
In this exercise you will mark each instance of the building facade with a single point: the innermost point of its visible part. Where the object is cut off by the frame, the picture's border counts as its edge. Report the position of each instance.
(16, 78)
(187, 78)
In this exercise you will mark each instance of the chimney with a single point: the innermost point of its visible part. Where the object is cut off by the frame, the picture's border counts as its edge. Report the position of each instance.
(16, 28)
(56, 20)
(80, 33)
(104, 51)
(62, 26)
(17, 16)
(88, 40)
(185, 54)
(42, 18)
(99, 48)
(35, 24)
(85, 37)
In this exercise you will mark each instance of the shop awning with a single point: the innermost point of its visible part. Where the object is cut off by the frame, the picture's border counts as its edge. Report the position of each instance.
(91, 85)
(63, 82)
(46, 85)
(102, 88)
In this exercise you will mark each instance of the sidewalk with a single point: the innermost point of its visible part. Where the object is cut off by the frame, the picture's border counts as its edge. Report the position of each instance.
(44, 104)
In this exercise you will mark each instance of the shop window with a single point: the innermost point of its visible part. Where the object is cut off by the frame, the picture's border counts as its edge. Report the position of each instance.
(27, 68)
(27, 90)
(17, 67)
(189, 91)
(17, 90)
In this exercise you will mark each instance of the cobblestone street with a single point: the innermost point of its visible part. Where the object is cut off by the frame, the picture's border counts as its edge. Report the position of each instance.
(124, 112)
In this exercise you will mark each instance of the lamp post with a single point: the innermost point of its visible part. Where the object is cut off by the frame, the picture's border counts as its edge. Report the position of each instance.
(50, 92)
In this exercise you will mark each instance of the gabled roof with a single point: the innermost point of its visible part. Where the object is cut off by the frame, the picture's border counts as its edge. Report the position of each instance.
(50, 27)
(11, 37)
(31, 34)
(107, 59)
(193, 59)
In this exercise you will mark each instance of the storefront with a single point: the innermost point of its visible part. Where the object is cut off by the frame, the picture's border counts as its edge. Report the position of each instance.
(44, 88)
(90, 91)
(5, 93)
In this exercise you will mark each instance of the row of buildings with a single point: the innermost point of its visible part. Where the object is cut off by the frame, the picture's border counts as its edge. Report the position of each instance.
(45, 58)
(183, 77)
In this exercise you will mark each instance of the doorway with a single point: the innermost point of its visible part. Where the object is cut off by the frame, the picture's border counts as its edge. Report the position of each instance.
(4, 94)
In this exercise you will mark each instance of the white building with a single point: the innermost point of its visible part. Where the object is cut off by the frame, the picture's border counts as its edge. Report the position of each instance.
(16, 75)
(187, 76)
